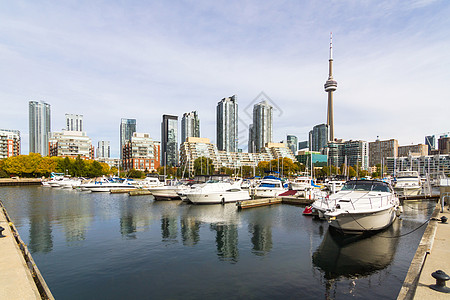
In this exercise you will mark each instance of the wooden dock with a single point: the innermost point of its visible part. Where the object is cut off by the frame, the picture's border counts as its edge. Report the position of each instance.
(419, 197)
(139, 192)
(258, 202)
(121, 191)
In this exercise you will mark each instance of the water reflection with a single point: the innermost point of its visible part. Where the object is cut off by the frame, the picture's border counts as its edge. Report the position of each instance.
(354, 257)
(190, 231)
(226, 241)
(261, 238)
(169, 228)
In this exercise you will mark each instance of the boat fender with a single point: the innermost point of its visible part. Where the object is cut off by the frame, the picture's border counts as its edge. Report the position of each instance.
(223, 201)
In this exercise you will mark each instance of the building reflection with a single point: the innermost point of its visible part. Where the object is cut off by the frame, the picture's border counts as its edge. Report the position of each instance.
(261, 239)
(133, 219)
(41, 239)
(169, 228)
(190, 231)
(226, 241)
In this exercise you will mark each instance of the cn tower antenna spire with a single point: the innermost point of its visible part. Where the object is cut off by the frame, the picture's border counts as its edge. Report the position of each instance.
(331, 45)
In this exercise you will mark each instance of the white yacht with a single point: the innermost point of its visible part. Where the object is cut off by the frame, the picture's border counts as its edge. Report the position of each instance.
(69, 183)
(108, 185)
(214, 191)
(361, 205)
(335, 186)
(269, 187)
(301, 183)
(408, 183)
(169, 192)
(148, 182)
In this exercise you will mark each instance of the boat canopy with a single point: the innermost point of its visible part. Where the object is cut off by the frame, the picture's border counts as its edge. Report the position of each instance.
(367, 186)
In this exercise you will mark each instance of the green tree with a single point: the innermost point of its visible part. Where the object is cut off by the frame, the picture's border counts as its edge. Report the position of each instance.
(203, 166)
(95, 169)
(79, 167)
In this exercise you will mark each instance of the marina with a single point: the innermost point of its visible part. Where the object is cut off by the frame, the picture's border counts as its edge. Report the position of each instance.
(102, 245)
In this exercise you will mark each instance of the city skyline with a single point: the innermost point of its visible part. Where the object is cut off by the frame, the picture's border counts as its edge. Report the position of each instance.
(388, 59)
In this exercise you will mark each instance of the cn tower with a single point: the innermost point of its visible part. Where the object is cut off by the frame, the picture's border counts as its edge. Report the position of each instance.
(330, 87)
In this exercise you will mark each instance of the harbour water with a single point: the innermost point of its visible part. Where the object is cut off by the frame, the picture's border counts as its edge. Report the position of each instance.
(113, 246)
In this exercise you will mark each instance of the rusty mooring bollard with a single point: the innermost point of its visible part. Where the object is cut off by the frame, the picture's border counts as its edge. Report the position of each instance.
(441, 278)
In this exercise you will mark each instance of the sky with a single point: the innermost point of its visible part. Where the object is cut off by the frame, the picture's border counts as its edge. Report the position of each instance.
(109, 60)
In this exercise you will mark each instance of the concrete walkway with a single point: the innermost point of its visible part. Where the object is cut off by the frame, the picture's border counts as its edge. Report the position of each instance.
(16, 281)
(437, 259)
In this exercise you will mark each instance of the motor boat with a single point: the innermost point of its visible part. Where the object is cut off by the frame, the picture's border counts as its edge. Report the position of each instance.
(108, 185)
(301, 183)
(269, 187)
(408, 183)
(361, 205)
(214, 191)
(69, 183)
(169, 192)
(335, 186)
(148, 182)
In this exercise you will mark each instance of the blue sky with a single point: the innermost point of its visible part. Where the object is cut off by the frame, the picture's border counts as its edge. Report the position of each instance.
(141, 59)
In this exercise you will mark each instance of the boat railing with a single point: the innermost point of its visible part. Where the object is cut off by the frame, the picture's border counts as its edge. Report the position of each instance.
(372, 201)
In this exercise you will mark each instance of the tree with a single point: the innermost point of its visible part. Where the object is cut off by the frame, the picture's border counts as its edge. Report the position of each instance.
(95, 169)
(203, 166)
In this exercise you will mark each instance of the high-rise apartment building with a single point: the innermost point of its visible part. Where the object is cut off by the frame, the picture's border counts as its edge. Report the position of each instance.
(318, 137)
(141, 153)
(71, 144)
(380, 150)
(416, 150)
(262, 125)
(39, 127)
(430, 141)
(169, 140)
(9, 143)
(104, 149)
(303, 145)
(74, 122)
(227, 124)
(190, 126)
(292, 142)
(127, 128)
(444, 144)
(349, 153)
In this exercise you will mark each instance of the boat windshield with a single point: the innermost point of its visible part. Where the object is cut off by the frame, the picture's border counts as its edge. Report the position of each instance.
(366, 186)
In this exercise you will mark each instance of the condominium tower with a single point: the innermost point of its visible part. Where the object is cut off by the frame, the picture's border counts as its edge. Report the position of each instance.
(169, 140)
(39, 127)
(104, 149)
(9, 143)
(227, 124)
(261, 130)
(127, 128)
(74, 122)
(190, 126)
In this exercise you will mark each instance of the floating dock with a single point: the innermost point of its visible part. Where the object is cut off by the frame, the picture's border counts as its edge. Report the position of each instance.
(296, 200)
(258, 202)
(19, 275)
(121, 191)
(139, 192)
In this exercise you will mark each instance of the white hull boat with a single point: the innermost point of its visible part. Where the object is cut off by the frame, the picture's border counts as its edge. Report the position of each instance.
(360, 206)
(270, 187)
(217, 192)
(168, 192)
(408, 183)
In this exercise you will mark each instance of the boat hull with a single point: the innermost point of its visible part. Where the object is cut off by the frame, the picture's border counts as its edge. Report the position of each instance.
(349, 222)
(216, 198)
(166, 193)
(268, 192)
(408, 191)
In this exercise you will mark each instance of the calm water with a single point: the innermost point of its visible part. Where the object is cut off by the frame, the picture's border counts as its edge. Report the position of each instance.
(105, 246)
